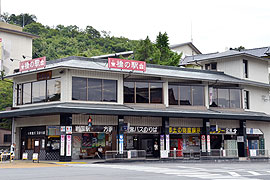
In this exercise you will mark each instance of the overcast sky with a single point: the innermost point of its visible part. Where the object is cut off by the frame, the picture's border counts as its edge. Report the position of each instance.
(216, 24)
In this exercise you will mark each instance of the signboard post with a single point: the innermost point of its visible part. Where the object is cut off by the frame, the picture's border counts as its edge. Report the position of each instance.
(121, 144)
(203, 143)
(208, 144)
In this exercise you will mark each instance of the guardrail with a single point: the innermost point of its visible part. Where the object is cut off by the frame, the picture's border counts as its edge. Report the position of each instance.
(223, 153)
(184, 154)
(4, 156)
(258, 153)
(126, 155)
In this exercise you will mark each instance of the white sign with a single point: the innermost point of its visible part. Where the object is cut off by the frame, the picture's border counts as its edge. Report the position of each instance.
(35, 157)
(82, 129)
(167, 142)
(121, 143)
(68, 129)
(62, 149)
(208, 144)
(25, 156)
(36, 143)
(164, 154)
(240, 138)
(63, 129)
(253, 131)
(69, 145)
(252, 152)
(203, 143)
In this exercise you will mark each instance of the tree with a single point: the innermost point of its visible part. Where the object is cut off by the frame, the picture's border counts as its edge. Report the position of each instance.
(22, 20)
(158, 53)
(5, 100)
(240, 48)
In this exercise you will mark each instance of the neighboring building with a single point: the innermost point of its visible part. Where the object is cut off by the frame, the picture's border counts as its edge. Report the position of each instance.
(67, 109)
(14, 45)
(5, 138)
(187, 49)
(249, 64)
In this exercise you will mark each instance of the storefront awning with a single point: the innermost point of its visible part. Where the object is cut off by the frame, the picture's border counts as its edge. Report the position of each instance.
(76, 108)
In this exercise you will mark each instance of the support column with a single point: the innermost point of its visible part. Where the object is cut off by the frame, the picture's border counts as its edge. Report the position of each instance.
(242, 136)
(120, 135)
(65, 137)
(205, 138)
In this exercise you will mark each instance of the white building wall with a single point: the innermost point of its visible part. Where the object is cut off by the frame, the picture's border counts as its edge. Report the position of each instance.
(258, 70)
(14, 46)
(264, 127)
(256, 98)
(186, 50)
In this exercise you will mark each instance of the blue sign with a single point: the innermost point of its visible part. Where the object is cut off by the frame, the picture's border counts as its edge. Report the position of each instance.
(121, 143)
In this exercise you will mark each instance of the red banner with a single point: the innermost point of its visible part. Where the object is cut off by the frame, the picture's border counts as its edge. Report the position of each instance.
(127, 64)
(33, 64)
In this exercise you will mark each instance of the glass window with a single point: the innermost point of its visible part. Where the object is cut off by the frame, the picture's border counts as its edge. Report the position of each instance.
(246, 99)
(155, 92)
(235, 96)
(198, 95)
(54, 89)
(223, 98)
(39, 92)
(185, 95)
(109, 90)
(142, 92)
(79, 88)
(213, 98)
(27, 93)
(173, 95)
(94, 89)
(129, 92)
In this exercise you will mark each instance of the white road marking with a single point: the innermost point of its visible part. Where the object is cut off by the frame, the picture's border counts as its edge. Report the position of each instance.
(234, 174)
(254, 173)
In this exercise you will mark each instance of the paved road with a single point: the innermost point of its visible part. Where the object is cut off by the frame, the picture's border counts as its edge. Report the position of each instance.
(141, 171)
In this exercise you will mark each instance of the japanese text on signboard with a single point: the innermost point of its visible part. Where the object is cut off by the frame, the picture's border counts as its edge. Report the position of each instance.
(32, 64)
(184, 130)
(142, 129)
(126, 64)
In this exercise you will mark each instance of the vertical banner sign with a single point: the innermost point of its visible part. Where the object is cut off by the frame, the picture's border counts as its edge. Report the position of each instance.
(203, 143)
(167, 142)
(162, 142)
(69, 145)
(62, 149)
(121, 143)
(208, 144)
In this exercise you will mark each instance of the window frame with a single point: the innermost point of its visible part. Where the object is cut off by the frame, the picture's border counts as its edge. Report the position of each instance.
(149, 91)
(191, 94)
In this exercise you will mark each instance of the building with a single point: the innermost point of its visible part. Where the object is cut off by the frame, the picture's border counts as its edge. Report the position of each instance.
(15, 45)
(5, 139)
(73, 105)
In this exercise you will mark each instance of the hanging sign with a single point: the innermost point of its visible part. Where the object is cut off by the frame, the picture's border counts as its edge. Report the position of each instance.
(68, 129)
(33, 64)
(127, 64)
(184, 130)
(62, 149)
(69, 145)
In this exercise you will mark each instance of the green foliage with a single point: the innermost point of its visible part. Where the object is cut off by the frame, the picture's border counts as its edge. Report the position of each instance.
(20, 20)
(5, 101)
(158, 53)
(240, 48)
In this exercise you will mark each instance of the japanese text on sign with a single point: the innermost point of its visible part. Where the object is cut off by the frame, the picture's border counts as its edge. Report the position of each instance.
(127, 64)
(184, 130)
(142, 129)
(33, 64)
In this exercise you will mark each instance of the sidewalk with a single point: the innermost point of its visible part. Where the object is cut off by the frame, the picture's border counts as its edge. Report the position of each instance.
(26, 164)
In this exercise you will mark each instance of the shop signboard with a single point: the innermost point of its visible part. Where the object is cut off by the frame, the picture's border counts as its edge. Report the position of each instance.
(162, 142)
(35, 133)
(83, 129)
(44, 75)
(253, 131)
(143, 129)
(68, 129)
(53, 130)
(231, 131)
(69, 145)
(208, 144)
(62, 149)
(215, 130)
(203, 143)
(63, 129)
(126, 64)
(184, 130)
(33, 64)
(121, 144)
(167, 142)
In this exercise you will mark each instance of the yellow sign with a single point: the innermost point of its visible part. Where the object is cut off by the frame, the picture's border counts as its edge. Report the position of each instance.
(184, 130)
